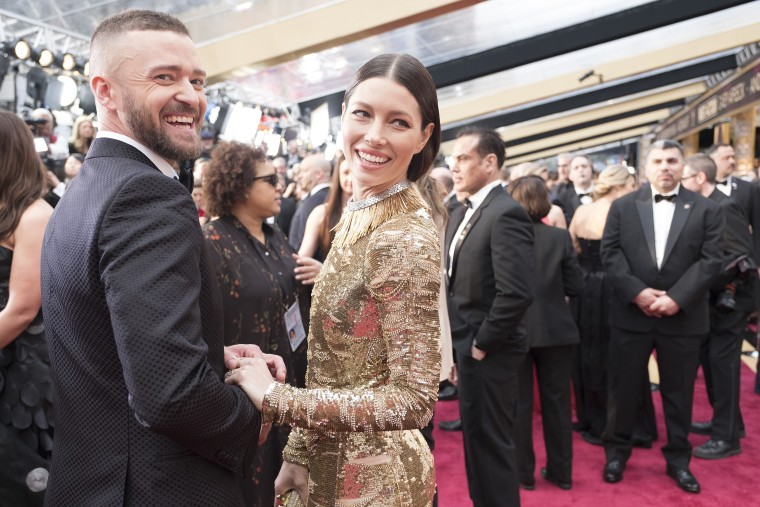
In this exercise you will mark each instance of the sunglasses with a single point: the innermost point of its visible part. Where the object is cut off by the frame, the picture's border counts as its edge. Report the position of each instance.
(269, 178)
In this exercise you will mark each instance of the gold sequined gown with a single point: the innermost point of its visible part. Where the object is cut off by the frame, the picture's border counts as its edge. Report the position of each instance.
(373, 362)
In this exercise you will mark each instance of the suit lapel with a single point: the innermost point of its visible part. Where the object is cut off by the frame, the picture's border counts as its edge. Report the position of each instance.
(684, 204)
(455, 219)
(498, 189)
(646, 216)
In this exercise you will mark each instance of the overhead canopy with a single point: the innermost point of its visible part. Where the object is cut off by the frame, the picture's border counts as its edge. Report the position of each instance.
(551, 75)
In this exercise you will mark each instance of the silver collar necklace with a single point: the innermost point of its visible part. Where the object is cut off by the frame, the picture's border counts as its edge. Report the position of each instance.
(352, 205)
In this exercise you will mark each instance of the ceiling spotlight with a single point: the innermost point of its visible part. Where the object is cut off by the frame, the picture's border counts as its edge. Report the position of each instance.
(68, 62)
(45, 58)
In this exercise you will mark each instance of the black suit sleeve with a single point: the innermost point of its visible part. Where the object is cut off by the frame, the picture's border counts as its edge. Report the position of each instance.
(754, 218)
(615, 262)
(693, 284)
(572, 275)
(150, 248)
(737, 240)
(512, 259)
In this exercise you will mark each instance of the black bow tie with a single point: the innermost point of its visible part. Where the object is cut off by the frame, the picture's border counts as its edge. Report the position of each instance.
(723, 182)
(467, 203)
(581, 196)
(660, 197)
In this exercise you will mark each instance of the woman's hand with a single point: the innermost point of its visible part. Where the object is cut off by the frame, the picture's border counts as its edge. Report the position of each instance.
(253, 377)
(293, 476)
(307, 269)
(233, 353)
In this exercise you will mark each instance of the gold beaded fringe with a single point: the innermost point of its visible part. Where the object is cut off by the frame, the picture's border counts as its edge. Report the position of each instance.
(354, 225)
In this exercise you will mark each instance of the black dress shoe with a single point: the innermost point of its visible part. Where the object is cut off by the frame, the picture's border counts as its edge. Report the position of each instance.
(613, 471)
(528, 486)
(455, 425)
(683, 478)
(556, 482)
(642, 443)
(701, 428)
(717, 449)
(448, 393)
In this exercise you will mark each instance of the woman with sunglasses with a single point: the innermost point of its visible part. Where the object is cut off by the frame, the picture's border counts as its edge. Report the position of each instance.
(263, 302)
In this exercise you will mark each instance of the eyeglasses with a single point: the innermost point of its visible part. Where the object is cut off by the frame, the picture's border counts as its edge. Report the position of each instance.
(272, 179)
(687, 177)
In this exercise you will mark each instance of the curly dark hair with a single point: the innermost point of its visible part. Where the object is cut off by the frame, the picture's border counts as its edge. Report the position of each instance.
(229, 174)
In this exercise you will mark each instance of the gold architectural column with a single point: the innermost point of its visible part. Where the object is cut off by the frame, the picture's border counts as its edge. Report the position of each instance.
(690, 144)
(743, 140)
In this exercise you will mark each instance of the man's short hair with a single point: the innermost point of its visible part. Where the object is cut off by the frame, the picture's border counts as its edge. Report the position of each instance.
(715, 147)
(489, 141)
(701, 163)
(132, 20)
(664, 144)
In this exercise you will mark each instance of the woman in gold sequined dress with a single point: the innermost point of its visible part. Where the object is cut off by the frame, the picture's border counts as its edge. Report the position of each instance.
(373, 360)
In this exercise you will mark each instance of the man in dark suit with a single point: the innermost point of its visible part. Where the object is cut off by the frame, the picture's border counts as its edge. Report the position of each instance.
(743, 192)
(132, 310)
(733, 297)
(489, 254)
(662, 247)
(314, 178)
(579, 190)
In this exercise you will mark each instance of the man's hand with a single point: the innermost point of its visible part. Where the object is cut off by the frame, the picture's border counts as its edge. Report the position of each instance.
(646, 298)
(664, 306)
(477, 354)
(233, 353)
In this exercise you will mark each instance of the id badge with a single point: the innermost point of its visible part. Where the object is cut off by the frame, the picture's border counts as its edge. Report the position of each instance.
(294, 326)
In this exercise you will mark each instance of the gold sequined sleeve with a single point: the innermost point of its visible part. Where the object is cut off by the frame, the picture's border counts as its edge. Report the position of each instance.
(296, 451)
(402, 270)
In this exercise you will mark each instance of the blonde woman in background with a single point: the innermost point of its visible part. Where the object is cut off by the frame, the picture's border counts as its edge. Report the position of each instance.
(82, 135)
(592, 314)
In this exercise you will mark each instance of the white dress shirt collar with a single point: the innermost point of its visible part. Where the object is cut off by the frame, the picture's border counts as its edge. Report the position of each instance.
(317, 188)
(163, 166)
(478, 197)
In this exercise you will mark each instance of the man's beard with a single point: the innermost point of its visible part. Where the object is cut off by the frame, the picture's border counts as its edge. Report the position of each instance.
(154, 137)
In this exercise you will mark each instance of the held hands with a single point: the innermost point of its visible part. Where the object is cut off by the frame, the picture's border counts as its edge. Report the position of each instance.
(253, 376)
(234, 353)
(664, 306)
(293, 476)
(307, 269)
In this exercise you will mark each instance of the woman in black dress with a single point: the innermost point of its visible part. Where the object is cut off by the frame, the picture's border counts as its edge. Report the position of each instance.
(26, 393)
(592, 313)
(263, 301)
(552, 337)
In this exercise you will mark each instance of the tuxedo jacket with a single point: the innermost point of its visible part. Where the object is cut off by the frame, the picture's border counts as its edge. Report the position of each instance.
(492, 280)
(747, 195)
(549, 320)
(568, 200)
(693, 257)
(304, 209)
(133, 318)
(737, 242)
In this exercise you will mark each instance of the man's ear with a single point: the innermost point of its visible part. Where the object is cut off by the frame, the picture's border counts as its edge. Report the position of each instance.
(103, 92)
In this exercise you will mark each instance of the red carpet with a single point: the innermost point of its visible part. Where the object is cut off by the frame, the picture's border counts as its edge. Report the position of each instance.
(725, 483)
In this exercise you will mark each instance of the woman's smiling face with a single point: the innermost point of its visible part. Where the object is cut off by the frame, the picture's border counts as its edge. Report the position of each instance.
(382, 130)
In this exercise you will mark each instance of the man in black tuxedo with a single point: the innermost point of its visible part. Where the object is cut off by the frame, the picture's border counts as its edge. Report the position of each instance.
(132, 311)
(743, 192)
(489, 254)
(314, 178)
(733, 297)
(662, 247)
(580, 188)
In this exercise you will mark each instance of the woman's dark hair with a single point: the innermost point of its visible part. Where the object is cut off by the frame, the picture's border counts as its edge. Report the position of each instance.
(412, 75)
(229, 174)
(333, 209)
(532, 194)
(23, 179)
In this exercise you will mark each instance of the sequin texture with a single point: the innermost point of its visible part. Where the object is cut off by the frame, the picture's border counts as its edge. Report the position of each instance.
(373, 365)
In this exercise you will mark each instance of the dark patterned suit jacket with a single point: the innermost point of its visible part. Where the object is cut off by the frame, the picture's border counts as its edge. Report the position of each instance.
(134, 318)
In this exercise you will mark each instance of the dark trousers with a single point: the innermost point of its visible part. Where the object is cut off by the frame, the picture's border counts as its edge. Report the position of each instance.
(487, 407)
(720, 357)
(677, 357)
(553, 365)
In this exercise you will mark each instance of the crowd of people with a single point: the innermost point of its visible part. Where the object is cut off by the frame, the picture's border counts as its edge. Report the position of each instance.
(222, 328)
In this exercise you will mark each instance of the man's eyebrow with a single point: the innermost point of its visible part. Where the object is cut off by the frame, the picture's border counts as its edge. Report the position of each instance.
(175, 68)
